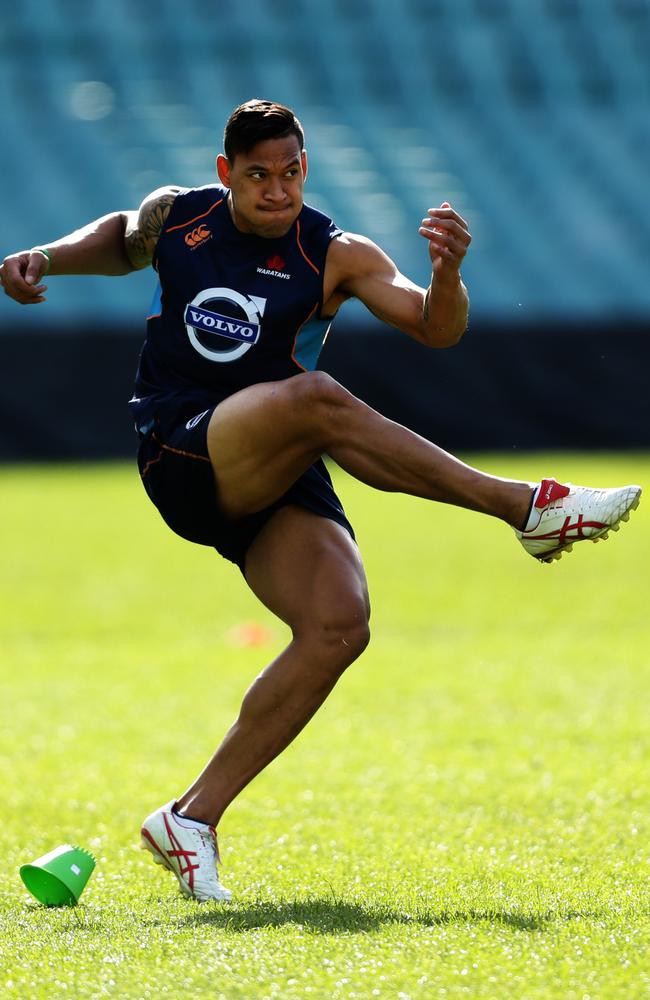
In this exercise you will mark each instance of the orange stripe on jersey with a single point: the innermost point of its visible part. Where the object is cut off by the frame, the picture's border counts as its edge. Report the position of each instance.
(190, 221)
(154, 316)
(302, 251)
(304, 322)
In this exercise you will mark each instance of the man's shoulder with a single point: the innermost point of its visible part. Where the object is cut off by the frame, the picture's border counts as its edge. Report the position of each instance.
(352, 256)
(316, 225)
(218, 189)
(353, 248)
(191, 204)
(208, 193)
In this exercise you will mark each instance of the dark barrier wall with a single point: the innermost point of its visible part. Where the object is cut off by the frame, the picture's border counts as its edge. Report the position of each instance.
(64, 396)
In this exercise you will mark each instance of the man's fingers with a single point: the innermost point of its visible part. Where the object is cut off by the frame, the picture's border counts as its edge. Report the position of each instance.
(26, 299)
(446, 230)
(447, 241)
(448, 224)
(21, 275)
(447, 212)
(455, 243)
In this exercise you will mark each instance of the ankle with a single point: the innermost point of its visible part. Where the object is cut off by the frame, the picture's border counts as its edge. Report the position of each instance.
(532, 494)
(194, 811)
(521, 506)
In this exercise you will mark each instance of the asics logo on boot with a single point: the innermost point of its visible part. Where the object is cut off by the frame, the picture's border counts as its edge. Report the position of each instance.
(549, 491)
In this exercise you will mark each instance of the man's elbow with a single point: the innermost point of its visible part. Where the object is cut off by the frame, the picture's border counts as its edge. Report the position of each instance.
(457, 333)
(445, 336)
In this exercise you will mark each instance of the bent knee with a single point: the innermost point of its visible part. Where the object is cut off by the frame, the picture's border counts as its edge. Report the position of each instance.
(317, 395)
(316, 387)
(353, 637)
(336, 641)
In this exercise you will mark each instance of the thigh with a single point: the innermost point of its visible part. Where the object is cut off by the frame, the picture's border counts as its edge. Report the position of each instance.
(260, 440)
(307, 569)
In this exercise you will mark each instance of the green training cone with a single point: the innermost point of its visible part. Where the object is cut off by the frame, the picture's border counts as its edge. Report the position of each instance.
(59, 878)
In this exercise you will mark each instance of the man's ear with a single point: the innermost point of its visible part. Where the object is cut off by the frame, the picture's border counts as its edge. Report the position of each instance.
(303, 161)
(223, 170)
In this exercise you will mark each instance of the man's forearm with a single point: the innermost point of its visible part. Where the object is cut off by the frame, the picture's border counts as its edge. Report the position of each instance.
(98, 248)
(445, 311)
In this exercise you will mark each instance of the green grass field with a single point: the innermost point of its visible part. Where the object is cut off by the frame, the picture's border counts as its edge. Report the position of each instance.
(466, 817)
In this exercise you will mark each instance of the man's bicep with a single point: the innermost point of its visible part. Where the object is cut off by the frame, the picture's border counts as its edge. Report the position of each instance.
(373, 278)
(143, 228)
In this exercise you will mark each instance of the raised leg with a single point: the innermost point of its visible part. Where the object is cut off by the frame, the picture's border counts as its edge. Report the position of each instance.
(263, 438)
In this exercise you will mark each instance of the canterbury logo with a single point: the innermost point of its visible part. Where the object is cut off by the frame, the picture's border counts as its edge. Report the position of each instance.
(197, 236)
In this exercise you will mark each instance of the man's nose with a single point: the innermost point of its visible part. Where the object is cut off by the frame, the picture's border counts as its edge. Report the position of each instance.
(274, 190)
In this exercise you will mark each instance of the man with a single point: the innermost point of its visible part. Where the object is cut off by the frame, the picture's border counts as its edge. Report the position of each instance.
(231, 439)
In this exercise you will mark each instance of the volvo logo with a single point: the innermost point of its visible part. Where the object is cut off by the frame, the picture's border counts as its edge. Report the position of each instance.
(244, 330)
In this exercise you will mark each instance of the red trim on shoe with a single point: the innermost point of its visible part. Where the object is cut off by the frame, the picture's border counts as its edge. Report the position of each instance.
(550, 490)
(562, 532)
(145, 833)
(178, 852)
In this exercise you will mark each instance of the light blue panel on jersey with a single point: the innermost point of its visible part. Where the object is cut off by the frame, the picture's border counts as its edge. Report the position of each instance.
(309, 342)
(156, 302)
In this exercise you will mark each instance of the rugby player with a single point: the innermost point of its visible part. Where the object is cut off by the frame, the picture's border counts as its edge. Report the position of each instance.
(234, 418)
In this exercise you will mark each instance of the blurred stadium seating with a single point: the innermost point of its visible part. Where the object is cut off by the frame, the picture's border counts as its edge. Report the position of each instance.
(531, 116)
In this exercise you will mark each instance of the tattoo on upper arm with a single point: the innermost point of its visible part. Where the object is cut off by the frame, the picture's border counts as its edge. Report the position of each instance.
(136, 248)
(142, 233)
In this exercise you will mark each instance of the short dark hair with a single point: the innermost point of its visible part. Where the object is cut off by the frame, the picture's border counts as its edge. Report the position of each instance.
(257, 120)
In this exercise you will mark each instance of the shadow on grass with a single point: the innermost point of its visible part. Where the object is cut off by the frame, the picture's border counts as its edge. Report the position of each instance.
(318, 916)
(327, 916)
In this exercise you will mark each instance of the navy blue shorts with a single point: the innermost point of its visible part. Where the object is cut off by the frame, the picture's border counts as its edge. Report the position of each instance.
(177, 475)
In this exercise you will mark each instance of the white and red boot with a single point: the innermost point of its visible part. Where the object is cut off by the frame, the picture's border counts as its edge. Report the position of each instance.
(186, 848)
(564, 514)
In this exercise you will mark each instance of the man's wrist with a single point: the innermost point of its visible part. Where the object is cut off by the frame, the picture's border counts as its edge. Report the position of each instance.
(441, 290)
(446, 279)
(47, 254)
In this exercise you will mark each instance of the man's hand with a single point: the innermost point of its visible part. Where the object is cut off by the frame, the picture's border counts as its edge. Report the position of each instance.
(448, 237)
(20, 274)
(446, 301)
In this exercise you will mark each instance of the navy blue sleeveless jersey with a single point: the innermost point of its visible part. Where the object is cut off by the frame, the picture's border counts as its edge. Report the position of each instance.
(231, 309)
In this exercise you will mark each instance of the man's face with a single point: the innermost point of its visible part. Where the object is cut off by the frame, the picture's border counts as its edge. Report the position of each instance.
(266, 186)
